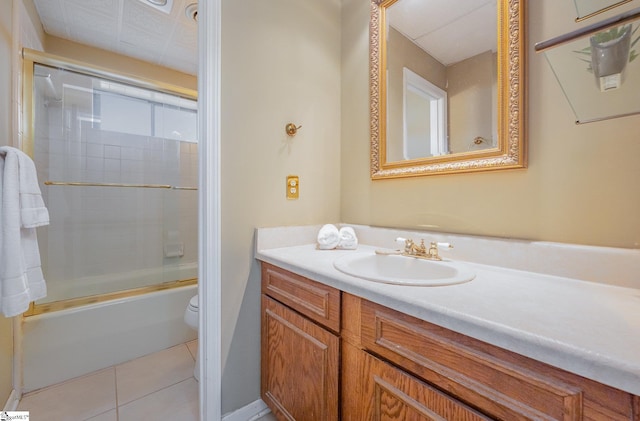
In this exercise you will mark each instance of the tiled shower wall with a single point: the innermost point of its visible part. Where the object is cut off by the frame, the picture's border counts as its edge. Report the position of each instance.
(104, 239)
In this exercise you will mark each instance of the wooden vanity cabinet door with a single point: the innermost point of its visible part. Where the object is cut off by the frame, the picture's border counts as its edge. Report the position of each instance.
(384, 392)
(299, 365)
(500, 383)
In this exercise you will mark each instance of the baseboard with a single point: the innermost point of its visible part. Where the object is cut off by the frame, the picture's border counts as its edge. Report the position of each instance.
(12, 402)
(253, 411)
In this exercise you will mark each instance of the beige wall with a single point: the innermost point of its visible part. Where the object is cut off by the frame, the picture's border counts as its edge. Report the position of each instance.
(6, 45)
(470, 96)
(409, 55)
(109, 60)
(280, 64)
(6, 40)
(580, 187)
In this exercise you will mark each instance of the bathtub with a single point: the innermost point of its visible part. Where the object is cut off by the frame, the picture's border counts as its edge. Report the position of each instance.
(64, 344)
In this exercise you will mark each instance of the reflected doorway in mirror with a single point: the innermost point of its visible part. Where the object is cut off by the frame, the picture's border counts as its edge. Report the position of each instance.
(424, 118)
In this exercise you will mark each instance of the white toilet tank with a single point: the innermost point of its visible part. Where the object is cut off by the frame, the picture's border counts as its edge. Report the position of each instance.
(191, 313)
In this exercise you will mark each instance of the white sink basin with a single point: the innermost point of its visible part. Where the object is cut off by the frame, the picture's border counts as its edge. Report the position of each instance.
(403, 270)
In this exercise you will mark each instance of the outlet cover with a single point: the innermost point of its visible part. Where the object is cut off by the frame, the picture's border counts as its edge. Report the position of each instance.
(293, 187)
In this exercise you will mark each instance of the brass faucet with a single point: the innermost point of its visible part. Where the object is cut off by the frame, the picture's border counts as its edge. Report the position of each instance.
(411, 249)
(420, 251)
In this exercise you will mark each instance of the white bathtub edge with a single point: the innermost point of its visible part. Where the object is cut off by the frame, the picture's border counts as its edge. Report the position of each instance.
(62, 345)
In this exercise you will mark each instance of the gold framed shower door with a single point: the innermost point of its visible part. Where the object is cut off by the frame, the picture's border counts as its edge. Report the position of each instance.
(29, 59)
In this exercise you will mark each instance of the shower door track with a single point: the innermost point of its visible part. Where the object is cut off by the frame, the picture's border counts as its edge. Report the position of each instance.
(35, 309)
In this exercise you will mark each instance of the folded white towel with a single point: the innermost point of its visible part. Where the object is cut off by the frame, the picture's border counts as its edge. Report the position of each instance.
(21, 210)
(348, 239)
(328, 237)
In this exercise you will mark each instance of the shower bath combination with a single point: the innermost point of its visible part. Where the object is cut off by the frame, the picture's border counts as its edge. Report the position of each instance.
(117, 162)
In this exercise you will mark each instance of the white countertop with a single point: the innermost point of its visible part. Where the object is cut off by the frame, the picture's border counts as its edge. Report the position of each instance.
(586, 328)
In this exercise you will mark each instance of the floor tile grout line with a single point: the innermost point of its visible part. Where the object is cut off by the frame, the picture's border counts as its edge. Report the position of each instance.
(114, 370)
(53, 386)
(159, 390)
(115, 385)
(172, 384)
(189, 349)
(102, 413)
(62, 383)
(116, 395)
(193, 354)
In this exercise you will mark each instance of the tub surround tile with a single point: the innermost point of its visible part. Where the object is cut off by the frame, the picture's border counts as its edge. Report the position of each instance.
(77, 399)
(177, 402)
(151, 373)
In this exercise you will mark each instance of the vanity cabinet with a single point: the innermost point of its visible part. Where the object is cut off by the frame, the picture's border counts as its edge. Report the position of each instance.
(300, 346)
(329, 355)
(474, 375)
(381, 391)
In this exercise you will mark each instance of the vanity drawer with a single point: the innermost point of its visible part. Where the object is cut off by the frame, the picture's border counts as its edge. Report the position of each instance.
(383, 392)
(500, 383)
(319, 302)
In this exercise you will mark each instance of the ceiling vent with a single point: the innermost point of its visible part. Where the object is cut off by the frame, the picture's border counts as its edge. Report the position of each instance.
(164, 6)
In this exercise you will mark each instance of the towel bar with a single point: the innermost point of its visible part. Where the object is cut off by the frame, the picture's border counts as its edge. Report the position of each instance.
(145, 186)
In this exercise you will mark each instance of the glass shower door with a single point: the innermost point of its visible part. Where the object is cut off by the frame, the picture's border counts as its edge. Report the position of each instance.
(118, 168)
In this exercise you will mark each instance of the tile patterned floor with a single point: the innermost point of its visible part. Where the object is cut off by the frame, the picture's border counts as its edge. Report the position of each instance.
(156, 386)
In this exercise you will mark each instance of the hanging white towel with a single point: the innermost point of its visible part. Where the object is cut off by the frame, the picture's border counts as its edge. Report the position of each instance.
(21, 211)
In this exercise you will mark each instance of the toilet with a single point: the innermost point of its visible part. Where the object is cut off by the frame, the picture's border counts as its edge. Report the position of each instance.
(191, 319)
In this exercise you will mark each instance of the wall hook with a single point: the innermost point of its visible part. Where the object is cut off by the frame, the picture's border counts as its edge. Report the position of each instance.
(291, 129)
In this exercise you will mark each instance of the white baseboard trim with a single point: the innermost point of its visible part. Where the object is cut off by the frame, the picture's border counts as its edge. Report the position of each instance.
(12, 401)
(253, 411)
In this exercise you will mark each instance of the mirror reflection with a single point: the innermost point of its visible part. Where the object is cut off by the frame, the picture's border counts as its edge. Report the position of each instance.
(442, 78)
(446, 85)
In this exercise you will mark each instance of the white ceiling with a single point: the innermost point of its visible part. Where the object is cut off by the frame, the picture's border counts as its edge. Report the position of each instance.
(134, 28)
(129, 27)
(448, 33)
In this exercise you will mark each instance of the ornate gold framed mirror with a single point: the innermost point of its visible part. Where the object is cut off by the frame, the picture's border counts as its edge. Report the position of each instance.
(447, 86)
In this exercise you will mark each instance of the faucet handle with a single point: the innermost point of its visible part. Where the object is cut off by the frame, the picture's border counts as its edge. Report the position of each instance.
(407, 243)
(433, 249)
(432, 253)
